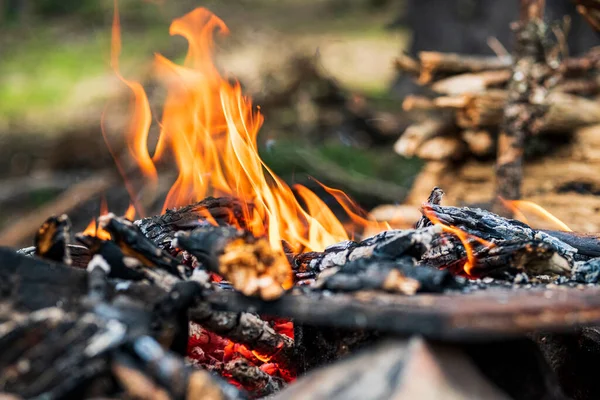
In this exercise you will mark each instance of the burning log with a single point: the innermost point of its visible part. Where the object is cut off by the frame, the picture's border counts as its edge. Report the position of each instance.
(248, 262)
(260, 383)
(247, 329)
(133, 243)
(52, 240)
(161, 229)
(388, 245)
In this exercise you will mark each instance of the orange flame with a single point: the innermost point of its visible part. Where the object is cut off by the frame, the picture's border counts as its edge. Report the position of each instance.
(211, 130)
(93, 229)
(462, 236)
(360, 218)
(518, 207)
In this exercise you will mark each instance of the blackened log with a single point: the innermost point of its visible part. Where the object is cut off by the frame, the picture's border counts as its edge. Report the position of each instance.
(587, 271)
(493, 228)
(479, 314)
(259, 383)
(133, 243)
(161, 229)
(248, 262)
(401, 276)
(80, 255)
(388, 245)
(52, 239)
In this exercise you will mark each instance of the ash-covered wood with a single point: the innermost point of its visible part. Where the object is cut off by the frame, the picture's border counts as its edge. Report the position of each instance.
(161, 229)
(508, 243)
(52, 239)
(388, 245)
(400, 276)
(248, 262)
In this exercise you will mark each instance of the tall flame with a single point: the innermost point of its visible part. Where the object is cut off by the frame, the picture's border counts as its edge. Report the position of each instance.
(210, 129)
(520, 207)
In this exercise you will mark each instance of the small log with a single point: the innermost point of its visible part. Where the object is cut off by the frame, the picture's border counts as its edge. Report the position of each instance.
(417, 134)
(161, 229)
(471, 82)
(248, 262)
(388, 245)
(247, 329)
(133, 243)
(52, 239)
(582, 87)
(405, 63)
(259, 383)
(567, 112)
(479, 142)
(412, 102)
(401, 276)
(482, 110)
(442, 148)
(434, 63)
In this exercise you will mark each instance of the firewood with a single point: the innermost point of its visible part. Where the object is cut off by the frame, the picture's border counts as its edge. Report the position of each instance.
(260, 383)
(482, 109)
(433, 63)
(471, 82)
(567, 112)
(247, 329)
(479, 142)
(161, 229)
(442, 148)
(415, 135)
(412, 102)
(582, 87)
(53, 238)
(134, 244)
(400, 276)
(406, 63)
(248, 262)
(389, 245)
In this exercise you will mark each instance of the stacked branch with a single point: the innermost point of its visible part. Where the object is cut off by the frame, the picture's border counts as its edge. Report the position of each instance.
(488, 105)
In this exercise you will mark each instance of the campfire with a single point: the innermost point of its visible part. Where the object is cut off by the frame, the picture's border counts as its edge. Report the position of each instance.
(245, 287)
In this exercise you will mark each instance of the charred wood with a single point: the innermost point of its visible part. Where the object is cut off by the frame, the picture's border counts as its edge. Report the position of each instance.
(53, 238)
(400, 276)
(134, 244)
(260, 383)
(161, 229)
(388, 245)
(248, 262)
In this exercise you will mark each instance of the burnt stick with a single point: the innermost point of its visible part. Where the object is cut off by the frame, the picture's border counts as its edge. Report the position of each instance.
(261, 383)
(248, 262)
(52, 239)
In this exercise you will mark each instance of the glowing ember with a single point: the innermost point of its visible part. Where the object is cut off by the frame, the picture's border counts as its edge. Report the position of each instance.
(464, 237)
(520, 207)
